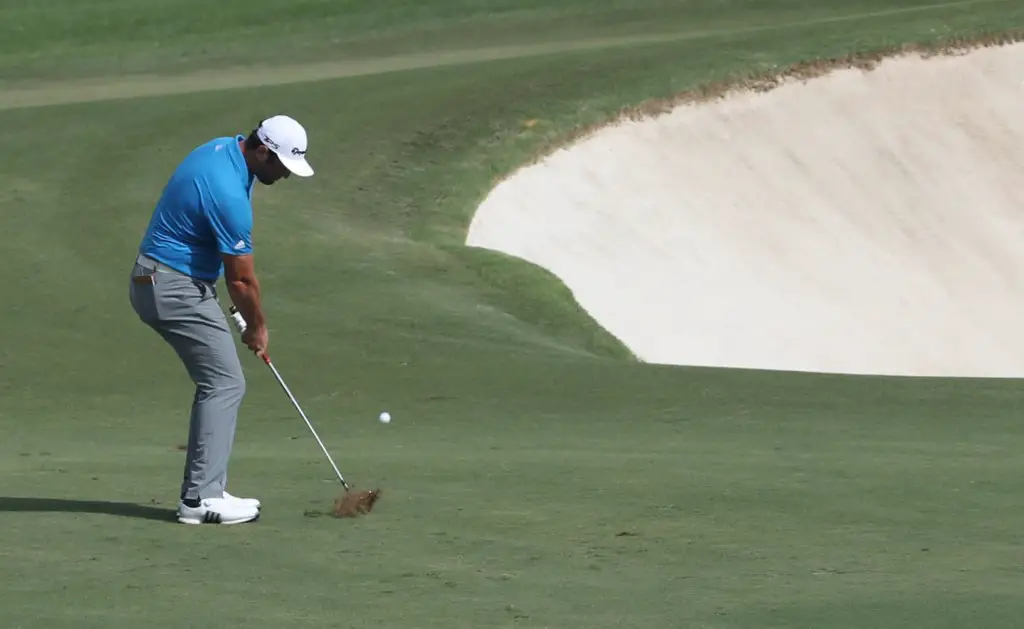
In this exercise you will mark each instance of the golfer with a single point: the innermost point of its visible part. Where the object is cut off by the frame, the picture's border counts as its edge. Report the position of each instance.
(202, 227)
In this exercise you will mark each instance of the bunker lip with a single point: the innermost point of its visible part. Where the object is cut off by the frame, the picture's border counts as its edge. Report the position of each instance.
(775, 77)
(863, 222)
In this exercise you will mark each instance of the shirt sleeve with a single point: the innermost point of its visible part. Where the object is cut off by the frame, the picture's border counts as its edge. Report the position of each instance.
(230, 216)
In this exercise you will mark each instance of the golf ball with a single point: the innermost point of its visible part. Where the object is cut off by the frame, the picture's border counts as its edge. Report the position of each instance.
(385, 417)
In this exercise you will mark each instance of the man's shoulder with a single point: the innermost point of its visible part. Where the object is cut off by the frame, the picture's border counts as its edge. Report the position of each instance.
(215, 169)
(227, 195)
(209, 158)
(214, 153)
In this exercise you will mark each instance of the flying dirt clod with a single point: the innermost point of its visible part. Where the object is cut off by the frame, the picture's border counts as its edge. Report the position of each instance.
(355, 503)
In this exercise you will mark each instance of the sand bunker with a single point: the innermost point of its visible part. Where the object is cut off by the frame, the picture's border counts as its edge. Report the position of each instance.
(866, 222)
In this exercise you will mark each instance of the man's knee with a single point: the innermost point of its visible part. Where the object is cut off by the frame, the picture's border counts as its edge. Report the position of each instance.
(209, 355)
(228, 384)
(235, 384)
(239, 385)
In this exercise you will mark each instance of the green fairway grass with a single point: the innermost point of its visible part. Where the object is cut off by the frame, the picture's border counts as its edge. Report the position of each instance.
(534, 474)
(69, 39)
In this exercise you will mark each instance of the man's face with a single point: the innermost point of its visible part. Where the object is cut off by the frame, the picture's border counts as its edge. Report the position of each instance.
(268, 168)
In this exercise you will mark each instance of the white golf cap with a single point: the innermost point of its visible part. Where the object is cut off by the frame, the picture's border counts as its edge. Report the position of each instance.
(286, 137)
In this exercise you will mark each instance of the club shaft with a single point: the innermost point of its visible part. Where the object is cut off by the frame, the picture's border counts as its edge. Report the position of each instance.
(284, 386)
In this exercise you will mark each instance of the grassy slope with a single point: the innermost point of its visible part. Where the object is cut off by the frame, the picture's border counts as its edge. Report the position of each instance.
(69, 39)
(516, 456)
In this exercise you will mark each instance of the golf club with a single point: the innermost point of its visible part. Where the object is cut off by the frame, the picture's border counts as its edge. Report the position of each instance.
(360, 502)
(284, 386)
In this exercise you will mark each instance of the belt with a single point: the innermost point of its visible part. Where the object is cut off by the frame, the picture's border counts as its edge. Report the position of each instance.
(160, 267)
(156, 265)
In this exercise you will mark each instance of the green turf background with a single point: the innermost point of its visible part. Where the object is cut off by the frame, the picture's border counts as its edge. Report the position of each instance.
(525, 442)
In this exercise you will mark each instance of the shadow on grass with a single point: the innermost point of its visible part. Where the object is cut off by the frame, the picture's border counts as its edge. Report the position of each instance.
(60, 505)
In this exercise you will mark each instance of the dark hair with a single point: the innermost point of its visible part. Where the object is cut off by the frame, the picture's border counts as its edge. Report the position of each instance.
(253, 141)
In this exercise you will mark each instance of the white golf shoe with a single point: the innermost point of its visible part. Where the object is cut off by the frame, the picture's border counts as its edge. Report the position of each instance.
(251, 502)
(217, 511)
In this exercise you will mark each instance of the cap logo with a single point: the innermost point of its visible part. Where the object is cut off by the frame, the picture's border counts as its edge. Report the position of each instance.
(277, 147)
(266, 140)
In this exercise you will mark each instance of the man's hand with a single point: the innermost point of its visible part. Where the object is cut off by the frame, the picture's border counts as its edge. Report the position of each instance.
(256, 339)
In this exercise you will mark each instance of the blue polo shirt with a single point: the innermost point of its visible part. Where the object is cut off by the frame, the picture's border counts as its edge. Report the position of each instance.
(205, 210)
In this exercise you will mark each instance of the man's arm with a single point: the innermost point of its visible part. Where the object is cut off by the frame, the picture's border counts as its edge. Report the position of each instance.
(230, 216)
(244, 288)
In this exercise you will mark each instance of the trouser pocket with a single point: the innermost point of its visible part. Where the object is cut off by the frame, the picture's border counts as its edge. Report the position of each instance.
(160, 296)
(142, 293)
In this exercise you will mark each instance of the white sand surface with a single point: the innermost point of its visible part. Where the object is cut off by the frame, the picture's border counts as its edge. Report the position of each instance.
(867, 222)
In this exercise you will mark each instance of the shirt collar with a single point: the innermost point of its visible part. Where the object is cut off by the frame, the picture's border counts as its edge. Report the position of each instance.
(238, 160)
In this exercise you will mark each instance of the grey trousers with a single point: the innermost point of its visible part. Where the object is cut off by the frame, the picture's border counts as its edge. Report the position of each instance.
(185, 312)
